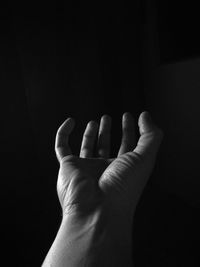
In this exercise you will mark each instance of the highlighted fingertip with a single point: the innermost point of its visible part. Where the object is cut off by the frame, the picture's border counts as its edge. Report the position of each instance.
(70, 118)
(148, 116)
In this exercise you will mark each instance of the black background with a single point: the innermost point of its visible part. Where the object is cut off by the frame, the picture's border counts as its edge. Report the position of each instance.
(178, 28)
(60, 61)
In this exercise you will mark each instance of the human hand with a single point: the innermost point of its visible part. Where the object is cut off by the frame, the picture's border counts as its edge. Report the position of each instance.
(87, 184)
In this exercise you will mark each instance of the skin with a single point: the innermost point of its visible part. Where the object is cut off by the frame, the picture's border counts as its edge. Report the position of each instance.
(99, 194)
(87, 182)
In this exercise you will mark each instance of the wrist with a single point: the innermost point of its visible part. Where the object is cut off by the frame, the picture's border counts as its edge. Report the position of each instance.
(105, 240)
(99, 239)
(101, 220)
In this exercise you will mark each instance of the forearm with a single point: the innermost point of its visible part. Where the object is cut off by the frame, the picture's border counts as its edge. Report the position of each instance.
(93, 243)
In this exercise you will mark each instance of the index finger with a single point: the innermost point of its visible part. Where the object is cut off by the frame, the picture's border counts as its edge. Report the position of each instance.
(62, 147)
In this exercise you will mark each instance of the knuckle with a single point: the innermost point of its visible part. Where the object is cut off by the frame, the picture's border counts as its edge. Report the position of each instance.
(67, 158)
(85, 149)
(87, 136)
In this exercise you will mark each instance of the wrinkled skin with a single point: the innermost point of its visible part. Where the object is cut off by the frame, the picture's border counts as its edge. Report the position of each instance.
(88, 184)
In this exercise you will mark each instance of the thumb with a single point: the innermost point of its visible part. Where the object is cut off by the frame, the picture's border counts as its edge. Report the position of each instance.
(150, 136)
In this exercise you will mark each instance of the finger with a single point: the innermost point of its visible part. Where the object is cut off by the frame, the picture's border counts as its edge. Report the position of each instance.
(62, 148)
(103, 144)
(88, 141)
(128, 134)
(150, 136)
